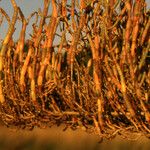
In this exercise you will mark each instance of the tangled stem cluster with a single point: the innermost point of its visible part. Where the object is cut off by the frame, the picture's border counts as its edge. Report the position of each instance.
(86, 65)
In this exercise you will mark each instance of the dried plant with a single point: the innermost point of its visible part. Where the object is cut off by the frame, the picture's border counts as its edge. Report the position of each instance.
(96, 78)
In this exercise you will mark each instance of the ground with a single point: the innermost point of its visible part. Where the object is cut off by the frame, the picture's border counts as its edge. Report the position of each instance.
(56, 139)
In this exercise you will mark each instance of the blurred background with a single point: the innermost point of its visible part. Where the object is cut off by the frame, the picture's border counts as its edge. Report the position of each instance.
(56, 139)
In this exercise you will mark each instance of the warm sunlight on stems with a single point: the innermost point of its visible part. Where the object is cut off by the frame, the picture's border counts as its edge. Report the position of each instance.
(85, 65)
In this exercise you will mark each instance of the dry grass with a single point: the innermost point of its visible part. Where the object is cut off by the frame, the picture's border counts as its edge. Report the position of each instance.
(96, 76)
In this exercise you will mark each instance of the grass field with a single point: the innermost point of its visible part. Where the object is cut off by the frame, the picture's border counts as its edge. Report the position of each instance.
(56, 139)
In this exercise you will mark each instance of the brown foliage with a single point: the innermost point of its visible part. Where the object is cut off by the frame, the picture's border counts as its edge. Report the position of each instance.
(97, 76)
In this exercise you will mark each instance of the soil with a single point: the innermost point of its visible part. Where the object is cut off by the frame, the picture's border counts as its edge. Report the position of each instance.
(56, 139)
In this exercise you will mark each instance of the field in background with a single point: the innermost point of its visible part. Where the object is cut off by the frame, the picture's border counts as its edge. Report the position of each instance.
(56, 139)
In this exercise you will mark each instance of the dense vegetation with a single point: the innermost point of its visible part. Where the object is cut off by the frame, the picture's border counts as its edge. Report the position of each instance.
(96, 77)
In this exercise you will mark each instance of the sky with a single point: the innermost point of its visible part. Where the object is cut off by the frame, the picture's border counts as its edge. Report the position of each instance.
(27, 7)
